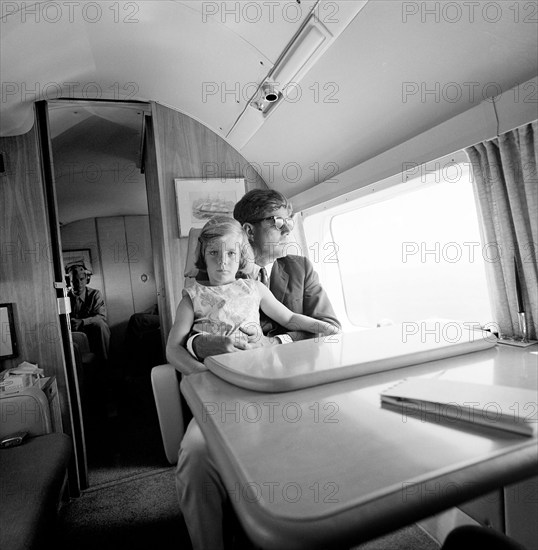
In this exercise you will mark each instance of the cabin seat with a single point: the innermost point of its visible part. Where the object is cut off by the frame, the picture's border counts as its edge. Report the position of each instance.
(165, 378)
(32, 475)
(143, 342)
(479, 536)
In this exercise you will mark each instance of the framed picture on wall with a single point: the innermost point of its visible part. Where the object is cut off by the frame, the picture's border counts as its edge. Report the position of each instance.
(199, 199)
(8, 342)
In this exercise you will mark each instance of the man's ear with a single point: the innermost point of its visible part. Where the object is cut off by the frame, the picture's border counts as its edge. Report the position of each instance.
(249, 230)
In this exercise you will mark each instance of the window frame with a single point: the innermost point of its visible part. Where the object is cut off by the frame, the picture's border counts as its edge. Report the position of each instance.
(386, 189)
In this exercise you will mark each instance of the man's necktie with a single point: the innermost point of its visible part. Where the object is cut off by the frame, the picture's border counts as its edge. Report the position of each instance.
(78, 305)
(262, 275)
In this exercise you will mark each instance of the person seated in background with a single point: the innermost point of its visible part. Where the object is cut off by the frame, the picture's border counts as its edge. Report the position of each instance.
(88, 311)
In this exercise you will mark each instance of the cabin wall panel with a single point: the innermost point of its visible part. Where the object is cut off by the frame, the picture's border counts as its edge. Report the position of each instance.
(115, 263)
(139, 253)
(26, 271)
(484, 121)
(183, 148)
(158, 223)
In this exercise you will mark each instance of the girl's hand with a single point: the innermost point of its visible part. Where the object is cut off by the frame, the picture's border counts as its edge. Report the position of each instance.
(326, 329)
(253, 337)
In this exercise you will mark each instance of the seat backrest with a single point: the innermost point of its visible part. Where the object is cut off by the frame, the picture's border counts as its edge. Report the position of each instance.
(191, 271)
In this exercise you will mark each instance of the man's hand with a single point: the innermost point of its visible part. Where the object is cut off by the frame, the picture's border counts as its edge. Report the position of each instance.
(252, 338)
(212, 344)
(76, 324)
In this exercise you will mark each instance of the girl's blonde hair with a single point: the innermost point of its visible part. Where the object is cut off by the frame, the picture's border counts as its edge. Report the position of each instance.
(223, 226)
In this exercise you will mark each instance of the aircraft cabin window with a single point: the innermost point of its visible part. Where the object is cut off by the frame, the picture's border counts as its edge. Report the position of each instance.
(407, 253)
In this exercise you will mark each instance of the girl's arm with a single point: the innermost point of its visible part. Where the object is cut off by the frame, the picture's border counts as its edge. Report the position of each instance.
(293, 321)
(176, 354)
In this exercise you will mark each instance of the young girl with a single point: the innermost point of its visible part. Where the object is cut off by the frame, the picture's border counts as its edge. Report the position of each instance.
(225, 304)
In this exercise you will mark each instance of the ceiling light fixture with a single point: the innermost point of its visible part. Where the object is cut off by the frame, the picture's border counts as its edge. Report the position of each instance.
(298, 56)
(309, 42)
(266, 98)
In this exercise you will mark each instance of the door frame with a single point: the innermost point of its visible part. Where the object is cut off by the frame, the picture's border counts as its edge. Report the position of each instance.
(72, 415)
(158, 243)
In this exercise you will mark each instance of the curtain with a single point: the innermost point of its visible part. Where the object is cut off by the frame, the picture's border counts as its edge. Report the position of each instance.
(506, 189)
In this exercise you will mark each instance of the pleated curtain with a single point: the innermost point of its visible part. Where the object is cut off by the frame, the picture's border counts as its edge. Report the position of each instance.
(505, 184)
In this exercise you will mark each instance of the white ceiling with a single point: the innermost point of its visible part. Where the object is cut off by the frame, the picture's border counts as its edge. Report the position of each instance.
(353, 102)
(97, 159)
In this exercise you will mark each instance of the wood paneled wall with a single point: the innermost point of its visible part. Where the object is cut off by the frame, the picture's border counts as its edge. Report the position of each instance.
(26, 275)
(180, 147)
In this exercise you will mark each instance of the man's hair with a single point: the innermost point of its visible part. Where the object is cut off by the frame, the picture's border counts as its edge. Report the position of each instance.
(72, 266)
(223, 226)
(257, 203)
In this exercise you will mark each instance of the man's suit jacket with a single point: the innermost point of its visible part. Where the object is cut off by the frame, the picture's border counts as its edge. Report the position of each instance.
(92, 309)
(295, 283)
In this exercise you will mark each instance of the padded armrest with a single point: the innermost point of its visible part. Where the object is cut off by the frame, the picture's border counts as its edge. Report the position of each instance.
(81, 340)
(27, 410)
(168, 402)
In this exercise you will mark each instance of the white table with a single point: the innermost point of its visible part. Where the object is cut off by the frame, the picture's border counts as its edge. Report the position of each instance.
(325, 466)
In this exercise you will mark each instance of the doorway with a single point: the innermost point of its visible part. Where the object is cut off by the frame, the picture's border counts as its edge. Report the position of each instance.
(104, 223)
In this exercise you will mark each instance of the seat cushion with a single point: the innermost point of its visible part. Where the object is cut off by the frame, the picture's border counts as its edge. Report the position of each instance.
(31, 480)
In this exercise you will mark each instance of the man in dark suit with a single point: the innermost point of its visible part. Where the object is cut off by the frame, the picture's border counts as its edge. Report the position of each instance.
(266, 217)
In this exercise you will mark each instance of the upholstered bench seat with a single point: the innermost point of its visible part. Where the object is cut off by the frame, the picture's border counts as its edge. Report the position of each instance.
(32, 476)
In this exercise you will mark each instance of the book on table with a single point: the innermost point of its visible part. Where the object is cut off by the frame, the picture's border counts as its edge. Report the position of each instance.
(500, 407)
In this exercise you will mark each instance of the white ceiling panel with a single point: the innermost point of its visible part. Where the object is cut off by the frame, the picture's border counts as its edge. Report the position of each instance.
(385, 81)
(266, 26)
(397, 69)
